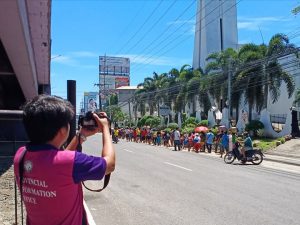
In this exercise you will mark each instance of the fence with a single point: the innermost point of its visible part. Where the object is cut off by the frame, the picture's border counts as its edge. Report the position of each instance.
(12, 136)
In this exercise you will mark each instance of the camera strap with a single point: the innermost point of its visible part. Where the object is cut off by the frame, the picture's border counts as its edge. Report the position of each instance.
(106, 178)
(106, 181)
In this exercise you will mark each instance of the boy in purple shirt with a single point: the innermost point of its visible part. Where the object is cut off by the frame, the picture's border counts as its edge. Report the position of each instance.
(51, 186)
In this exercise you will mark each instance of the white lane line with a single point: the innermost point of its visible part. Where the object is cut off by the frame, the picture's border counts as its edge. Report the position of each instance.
(128, 150)
(181, 167)
(88, 214)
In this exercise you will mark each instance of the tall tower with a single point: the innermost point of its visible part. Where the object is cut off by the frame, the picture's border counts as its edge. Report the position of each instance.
(215, 30)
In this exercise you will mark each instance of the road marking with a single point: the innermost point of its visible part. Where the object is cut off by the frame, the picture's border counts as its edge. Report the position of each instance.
(128, 150)
(88, 214)
(181, 167)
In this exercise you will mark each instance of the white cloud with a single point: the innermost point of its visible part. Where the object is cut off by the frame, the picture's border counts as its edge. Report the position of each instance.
(63, 60)
(254, 23)
(155, 60)
(84, 54)
(71, 61)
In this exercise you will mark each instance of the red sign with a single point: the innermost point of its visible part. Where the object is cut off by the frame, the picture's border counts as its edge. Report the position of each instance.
(121, 81)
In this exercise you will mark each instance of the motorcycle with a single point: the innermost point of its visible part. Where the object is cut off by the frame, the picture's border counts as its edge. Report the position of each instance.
(254, 156)
(115, 139)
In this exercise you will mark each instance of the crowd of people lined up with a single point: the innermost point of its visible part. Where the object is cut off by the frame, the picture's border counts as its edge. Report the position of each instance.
(220, 142)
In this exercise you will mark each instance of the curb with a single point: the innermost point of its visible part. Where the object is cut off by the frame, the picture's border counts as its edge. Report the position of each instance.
(282, 161)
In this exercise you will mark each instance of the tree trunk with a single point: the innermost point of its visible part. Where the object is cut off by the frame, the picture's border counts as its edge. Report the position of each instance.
(237, 113)
(266, 87)
(266, 94)
(250, 111)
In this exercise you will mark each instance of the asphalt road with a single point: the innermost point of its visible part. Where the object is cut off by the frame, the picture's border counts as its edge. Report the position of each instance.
(153, 185)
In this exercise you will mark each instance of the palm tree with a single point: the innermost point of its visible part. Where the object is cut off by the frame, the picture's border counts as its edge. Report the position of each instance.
(148, 93)
(160, 83)
(297, 98)
(217, 70)
(261, 74)
(273, 73)
(185, 75)
(248, 79)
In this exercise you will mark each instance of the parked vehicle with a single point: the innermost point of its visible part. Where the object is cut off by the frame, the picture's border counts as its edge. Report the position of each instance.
(254, 156)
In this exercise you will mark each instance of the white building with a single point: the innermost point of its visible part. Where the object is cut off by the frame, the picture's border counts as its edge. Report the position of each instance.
(125, 95)
(216, 29)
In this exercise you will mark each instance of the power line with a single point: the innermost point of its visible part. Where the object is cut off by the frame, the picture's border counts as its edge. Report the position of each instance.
(141, 27)
(151, 28)
(181, 85)
(170, 25)
(185, 39)
(180, 35)
(133, 19)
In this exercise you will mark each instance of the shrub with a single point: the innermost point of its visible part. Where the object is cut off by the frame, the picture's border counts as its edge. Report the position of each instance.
(173, 126)
(214, 131)
(203, 123)
(190, 120)
(160, 127)
(167, 130)
(153, 121)
(281, 139)
(188, 130)
(254, 126)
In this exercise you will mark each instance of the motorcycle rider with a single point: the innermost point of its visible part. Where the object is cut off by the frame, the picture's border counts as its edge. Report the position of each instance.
(248, 145)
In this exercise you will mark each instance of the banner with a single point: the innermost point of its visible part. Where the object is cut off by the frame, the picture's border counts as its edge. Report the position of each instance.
(116, 66)
(90, 101)
(121, 81)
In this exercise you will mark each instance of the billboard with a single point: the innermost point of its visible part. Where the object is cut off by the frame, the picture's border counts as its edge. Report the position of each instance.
(90, 101)
(121, 81)
(116, 66)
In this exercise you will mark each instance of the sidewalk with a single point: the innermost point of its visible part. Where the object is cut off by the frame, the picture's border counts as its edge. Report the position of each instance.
(288, 153)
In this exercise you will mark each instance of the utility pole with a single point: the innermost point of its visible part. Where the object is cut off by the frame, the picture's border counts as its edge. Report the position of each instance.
(129, 113)
(104, 83)
(229, 90)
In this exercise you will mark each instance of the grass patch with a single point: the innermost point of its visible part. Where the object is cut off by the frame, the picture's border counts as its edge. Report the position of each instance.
(265, 143)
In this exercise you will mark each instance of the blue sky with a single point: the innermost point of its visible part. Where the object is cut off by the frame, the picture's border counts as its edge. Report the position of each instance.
(155, 35)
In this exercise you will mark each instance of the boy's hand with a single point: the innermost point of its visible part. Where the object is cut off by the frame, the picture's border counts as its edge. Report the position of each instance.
(102, 121)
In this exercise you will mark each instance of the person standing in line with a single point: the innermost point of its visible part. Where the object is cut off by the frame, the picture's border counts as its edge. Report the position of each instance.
(176, 139)
(224, 143)
(218, 140)
(209, 140)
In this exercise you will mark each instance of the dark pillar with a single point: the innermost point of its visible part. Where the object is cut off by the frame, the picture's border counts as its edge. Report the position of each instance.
(295, 127)
(71, 95)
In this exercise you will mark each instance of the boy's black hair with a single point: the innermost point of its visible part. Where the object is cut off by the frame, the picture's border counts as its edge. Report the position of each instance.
(44, 115)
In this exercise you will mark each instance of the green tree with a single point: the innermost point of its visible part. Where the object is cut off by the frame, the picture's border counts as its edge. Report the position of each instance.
(260, 73)
(297, 98)
(296, 10)
(113, 99)
(217, 70)
(115, 113)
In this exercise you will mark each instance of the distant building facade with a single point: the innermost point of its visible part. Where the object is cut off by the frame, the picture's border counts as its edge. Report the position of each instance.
(215, 30)
(125, 101)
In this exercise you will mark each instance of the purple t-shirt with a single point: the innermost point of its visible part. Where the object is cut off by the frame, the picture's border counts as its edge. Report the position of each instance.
(88, 167)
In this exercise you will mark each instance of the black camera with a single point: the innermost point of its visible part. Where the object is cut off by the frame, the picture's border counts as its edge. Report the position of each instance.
(88, 121)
